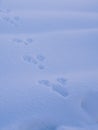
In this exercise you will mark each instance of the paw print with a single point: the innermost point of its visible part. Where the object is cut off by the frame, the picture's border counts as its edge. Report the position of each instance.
(35, 60)
(25, 42)
(56, 87)
(6, 16)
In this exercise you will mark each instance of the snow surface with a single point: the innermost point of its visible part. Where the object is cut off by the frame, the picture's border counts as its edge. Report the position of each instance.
(48, 65)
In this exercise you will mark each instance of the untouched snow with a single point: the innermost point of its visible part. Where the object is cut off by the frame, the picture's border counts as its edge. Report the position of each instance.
(48, 65)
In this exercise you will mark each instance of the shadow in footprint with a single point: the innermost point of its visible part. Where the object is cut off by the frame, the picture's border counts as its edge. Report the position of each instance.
(41, 67)
(62, 81)
(16, 40)
(29, 40)
(45, 82)
(26, 42)
(41, 58)
(30, 59)
(6, 16)
(55, 87)
(60, 90)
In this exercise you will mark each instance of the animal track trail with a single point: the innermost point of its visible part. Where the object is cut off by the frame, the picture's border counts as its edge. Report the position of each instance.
(39, 60)
(27, 41)
(6, 16)
(58, 86)
(35, 61)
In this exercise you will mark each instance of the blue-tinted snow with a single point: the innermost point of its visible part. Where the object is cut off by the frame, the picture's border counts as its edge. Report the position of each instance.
(48, 65)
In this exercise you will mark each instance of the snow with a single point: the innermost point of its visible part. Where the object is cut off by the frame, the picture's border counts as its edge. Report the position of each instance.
(48, 65)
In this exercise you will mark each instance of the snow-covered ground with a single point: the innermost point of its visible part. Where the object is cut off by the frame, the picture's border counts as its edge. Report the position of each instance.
(48, 65)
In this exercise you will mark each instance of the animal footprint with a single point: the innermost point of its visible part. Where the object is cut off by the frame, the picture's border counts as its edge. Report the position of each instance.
(26, 42)
(45, 82)
(41, 67)
(29, 40)
(17, 40)
(30, 59)
(5, 15)
(41, 58)
(33, 60)
(62, 81)
(55, 87)
(60, 90)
